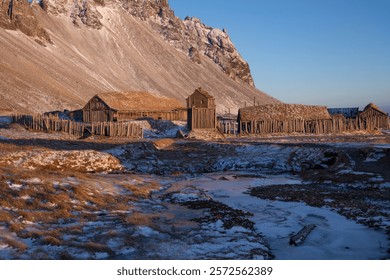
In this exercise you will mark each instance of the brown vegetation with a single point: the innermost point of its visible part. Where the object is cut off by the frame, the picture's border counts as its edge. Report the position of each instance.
(96, 247)
(123, 101)
(43, 206)
(18, 245)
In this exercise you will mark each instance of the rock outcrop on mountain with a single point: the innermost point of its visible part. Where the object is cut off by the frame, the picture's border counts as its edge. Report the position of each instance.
(57, 54)
(192, 35)
(21, 15)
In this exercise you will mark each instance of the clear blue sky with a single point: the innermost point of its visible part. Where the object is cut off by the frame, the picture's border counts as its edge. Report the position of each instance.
(325, 52)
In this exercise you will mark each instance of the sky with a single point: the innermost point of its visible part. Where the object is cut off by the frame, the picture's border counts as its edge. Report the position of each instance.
(320, 52)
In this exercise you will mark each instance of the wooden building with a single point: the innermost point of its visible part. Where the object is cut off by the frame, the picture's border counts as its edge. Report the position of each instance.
(201, 110)
(373, 118)
(284, 118)
(76, 115)
(201, 99)
(124, 106)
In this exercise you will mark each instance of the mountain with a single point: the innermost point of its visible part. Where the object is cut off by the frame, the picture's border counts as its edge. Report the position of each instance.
(57, 54)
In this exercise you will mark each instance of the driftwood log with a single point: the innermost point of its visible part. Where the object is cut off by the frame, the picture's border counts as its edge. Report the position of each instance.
(300, 237)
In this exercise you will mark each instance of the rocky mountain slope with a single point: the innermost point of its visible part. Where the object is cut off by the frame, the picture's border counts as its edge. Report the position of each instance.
(57, 54)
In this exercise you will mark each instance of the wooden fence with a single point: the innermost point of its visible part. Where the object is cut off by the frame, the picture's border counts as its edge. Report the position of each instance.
(228, 127)
(111, 129)
(331, 126)
(45, 123)
(117, 129)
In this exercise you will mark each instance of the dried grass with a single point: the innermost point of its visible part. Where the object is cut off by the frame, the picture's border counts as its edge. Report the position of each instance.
(112, 233)
(283, 112)
(96, 247)
(163, 143)
(124, 101)
(65, 256)
(142, 191)
(20, 246)
(22, 231)
(32, 233)
(140, 219)
(6, 148)
(5, 217)
(40, 209)
(92, 197)
(50, 240)
(16, 227)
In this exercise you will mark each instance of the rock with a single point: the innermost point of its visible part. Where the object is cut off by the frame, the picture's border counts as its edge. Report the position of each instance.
(112, 48)
(192, 36)
(21, 15)
(194, 54)
(82, 12)
(189, 35)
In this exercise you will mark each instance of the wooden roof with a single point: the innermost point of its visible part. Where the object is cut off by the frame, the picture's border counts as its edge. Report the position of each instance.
(283, 112)
(138, 101)
(375, 107)
(203, 92)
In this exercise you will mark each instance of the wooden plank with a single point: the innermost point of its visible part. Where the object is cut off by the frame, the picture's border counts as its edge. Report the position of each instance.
(300, 237)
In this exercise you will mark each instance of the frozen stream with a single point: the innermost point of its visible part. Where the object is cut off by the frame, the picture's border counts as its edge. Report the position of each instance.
(335, 237)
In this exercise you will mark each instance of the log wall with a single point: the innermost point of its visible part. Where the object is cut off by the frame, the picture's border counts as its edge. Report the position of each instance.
(169, 115)
(373, 119)
(117, 129)
(202, 118)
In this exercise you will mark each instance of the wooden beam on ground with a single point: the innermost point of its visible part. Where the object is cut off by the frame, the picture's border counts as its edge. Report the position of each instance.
(299, 238)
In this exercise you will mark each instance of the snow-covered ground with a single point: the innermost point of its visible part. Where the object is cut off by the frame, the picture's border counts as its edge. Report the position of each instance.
(184, 199)
(334, 237)
(161, 128)
(85, 161)
(5, 119)
(199, 157)
(158, 227)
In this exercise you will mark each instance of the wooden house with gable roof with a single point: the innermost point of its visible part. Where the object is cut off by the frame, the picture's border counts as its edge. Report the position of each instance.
(201, 110)
(124, 106)
(373, 118)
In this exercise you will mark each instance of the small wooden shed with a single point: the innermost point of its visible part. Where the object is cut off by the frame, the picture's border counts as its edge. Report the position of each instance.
(201, 110)
(373, 118)
(123, 106)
